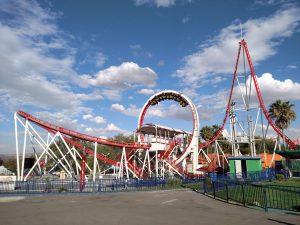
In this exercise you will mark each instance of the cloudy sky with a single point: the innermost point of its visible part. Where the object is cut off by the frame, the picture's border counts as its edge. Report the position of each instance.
(91, 65)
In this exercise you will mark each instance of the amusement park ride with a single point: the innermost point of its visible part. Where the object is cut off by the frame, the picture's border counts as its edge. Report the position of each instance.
(160, 151)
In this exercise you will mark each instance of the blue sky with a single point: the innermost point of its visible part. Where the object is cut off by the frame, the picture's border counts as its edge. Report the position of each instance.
(91, 65)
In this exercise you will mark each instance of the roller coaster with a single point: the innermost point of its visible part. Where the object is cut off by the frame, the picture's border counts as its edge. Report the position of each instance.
(159, 150)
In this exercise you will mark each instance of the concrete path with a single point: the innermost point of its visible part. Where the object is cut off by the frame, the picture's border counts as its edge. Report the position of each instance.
(136, 208)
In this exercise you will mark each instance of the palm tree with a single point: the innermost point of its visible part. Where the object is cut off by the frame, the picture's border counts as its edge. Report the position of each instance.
(282, 113)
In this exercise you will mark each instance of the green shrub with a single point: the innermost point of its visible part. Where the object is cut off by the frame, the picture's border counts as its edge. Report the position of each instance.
(279, 177)
(174, 182)
(62, 189)
(208, 183)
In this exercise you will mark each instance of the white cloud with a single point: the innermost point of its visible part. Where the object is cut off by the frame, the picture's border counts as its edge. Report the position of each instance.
(272, 89)
(138, 51)
(87, 116)
(100, 59)
(96, 58)
(185, 19)
(157, 3)
(127, 75)
(161, 63)
(87, 97)
(109, 129)
(117, 107)
(30, 74)
(217, 100)
(292, 66)
(3, 118)
(207, 113)
(146, 91)
(173, 111)
(99, 119)
(112, 94)
(30, 17)
(217, 56)
(293, 133)
(96, 119)
(270, 2)
(135, 47)
(132, 110)
(160, 3)
(112, 128)
(58, 118)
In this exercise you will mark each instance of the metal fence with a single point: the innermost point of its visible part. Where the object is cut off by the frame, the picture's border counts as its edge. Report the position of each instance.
(240, 188)
(261, 195)
(101, 185)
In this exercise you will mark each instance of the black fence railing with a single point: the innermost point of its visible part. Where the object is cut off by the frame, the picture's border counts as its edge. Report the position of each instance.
(101, 185)
(261, 195)
(245, 189)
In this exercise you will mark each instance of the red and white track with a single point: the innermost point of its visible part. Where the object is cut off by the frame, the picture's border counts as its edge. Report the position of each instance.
(243, 47)
(68, 134)
(183, 100)
(129, 149)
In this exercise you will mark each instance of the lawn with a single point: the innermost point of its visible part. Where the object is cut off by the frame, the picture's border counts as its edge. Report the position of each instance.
(289, 182)
(279, 194)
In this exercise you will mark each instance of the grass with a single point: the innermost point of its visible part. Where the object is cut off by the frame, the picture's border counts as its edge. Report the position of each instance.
(194, 186)
(280, 195)
(289, 182)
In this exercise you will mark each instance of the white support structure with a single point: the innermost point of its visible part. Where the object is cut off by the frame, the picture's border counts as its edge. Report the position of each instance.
(156, 164)
(273, 155)
(63, 155)
(24, 147)
(146, 163)
(95, 162)
(205, 155)
(52, 153)
(123, 165)
(17, 146)
(193, 145)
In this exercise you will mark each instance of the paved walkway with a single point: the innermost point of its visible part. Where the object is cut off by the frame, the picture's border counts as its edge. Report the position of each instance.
(136, 208)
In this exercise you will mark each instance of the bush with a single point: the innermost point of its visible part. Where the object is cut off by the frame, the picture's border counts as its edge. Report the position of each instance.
(174, 182)
(279, 177)
(208, 182)
(62, 189)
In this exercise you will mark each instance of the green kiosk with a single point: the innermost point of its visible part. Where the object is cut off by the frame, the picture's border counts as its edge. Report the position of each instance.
(244, 164)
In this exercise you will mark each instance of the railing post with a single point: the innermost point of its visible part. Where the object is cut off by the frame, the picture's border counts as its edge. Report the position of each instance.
(265, 198)
(243, 195)
(27, 186)
(227, 196)
(214, 190)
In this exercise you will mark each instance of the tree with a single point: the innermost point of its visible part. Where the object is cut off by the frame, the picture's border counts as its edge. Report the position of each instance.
(10, 164)
(207, 132)
(282, 113)
(123, 138)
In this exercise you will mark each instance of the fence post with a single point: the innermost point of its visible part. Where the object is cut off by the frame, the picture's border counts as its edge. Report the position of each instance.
(243, 194)
(227, 197)
(27, 186)
(204, 185)
(214, 190)
(265, 199)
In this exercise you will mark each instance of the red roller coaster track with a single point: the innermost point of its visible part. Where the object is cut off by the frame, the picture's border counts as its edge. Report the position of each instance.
(81, 136)
(243, 45)
(66, 133)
